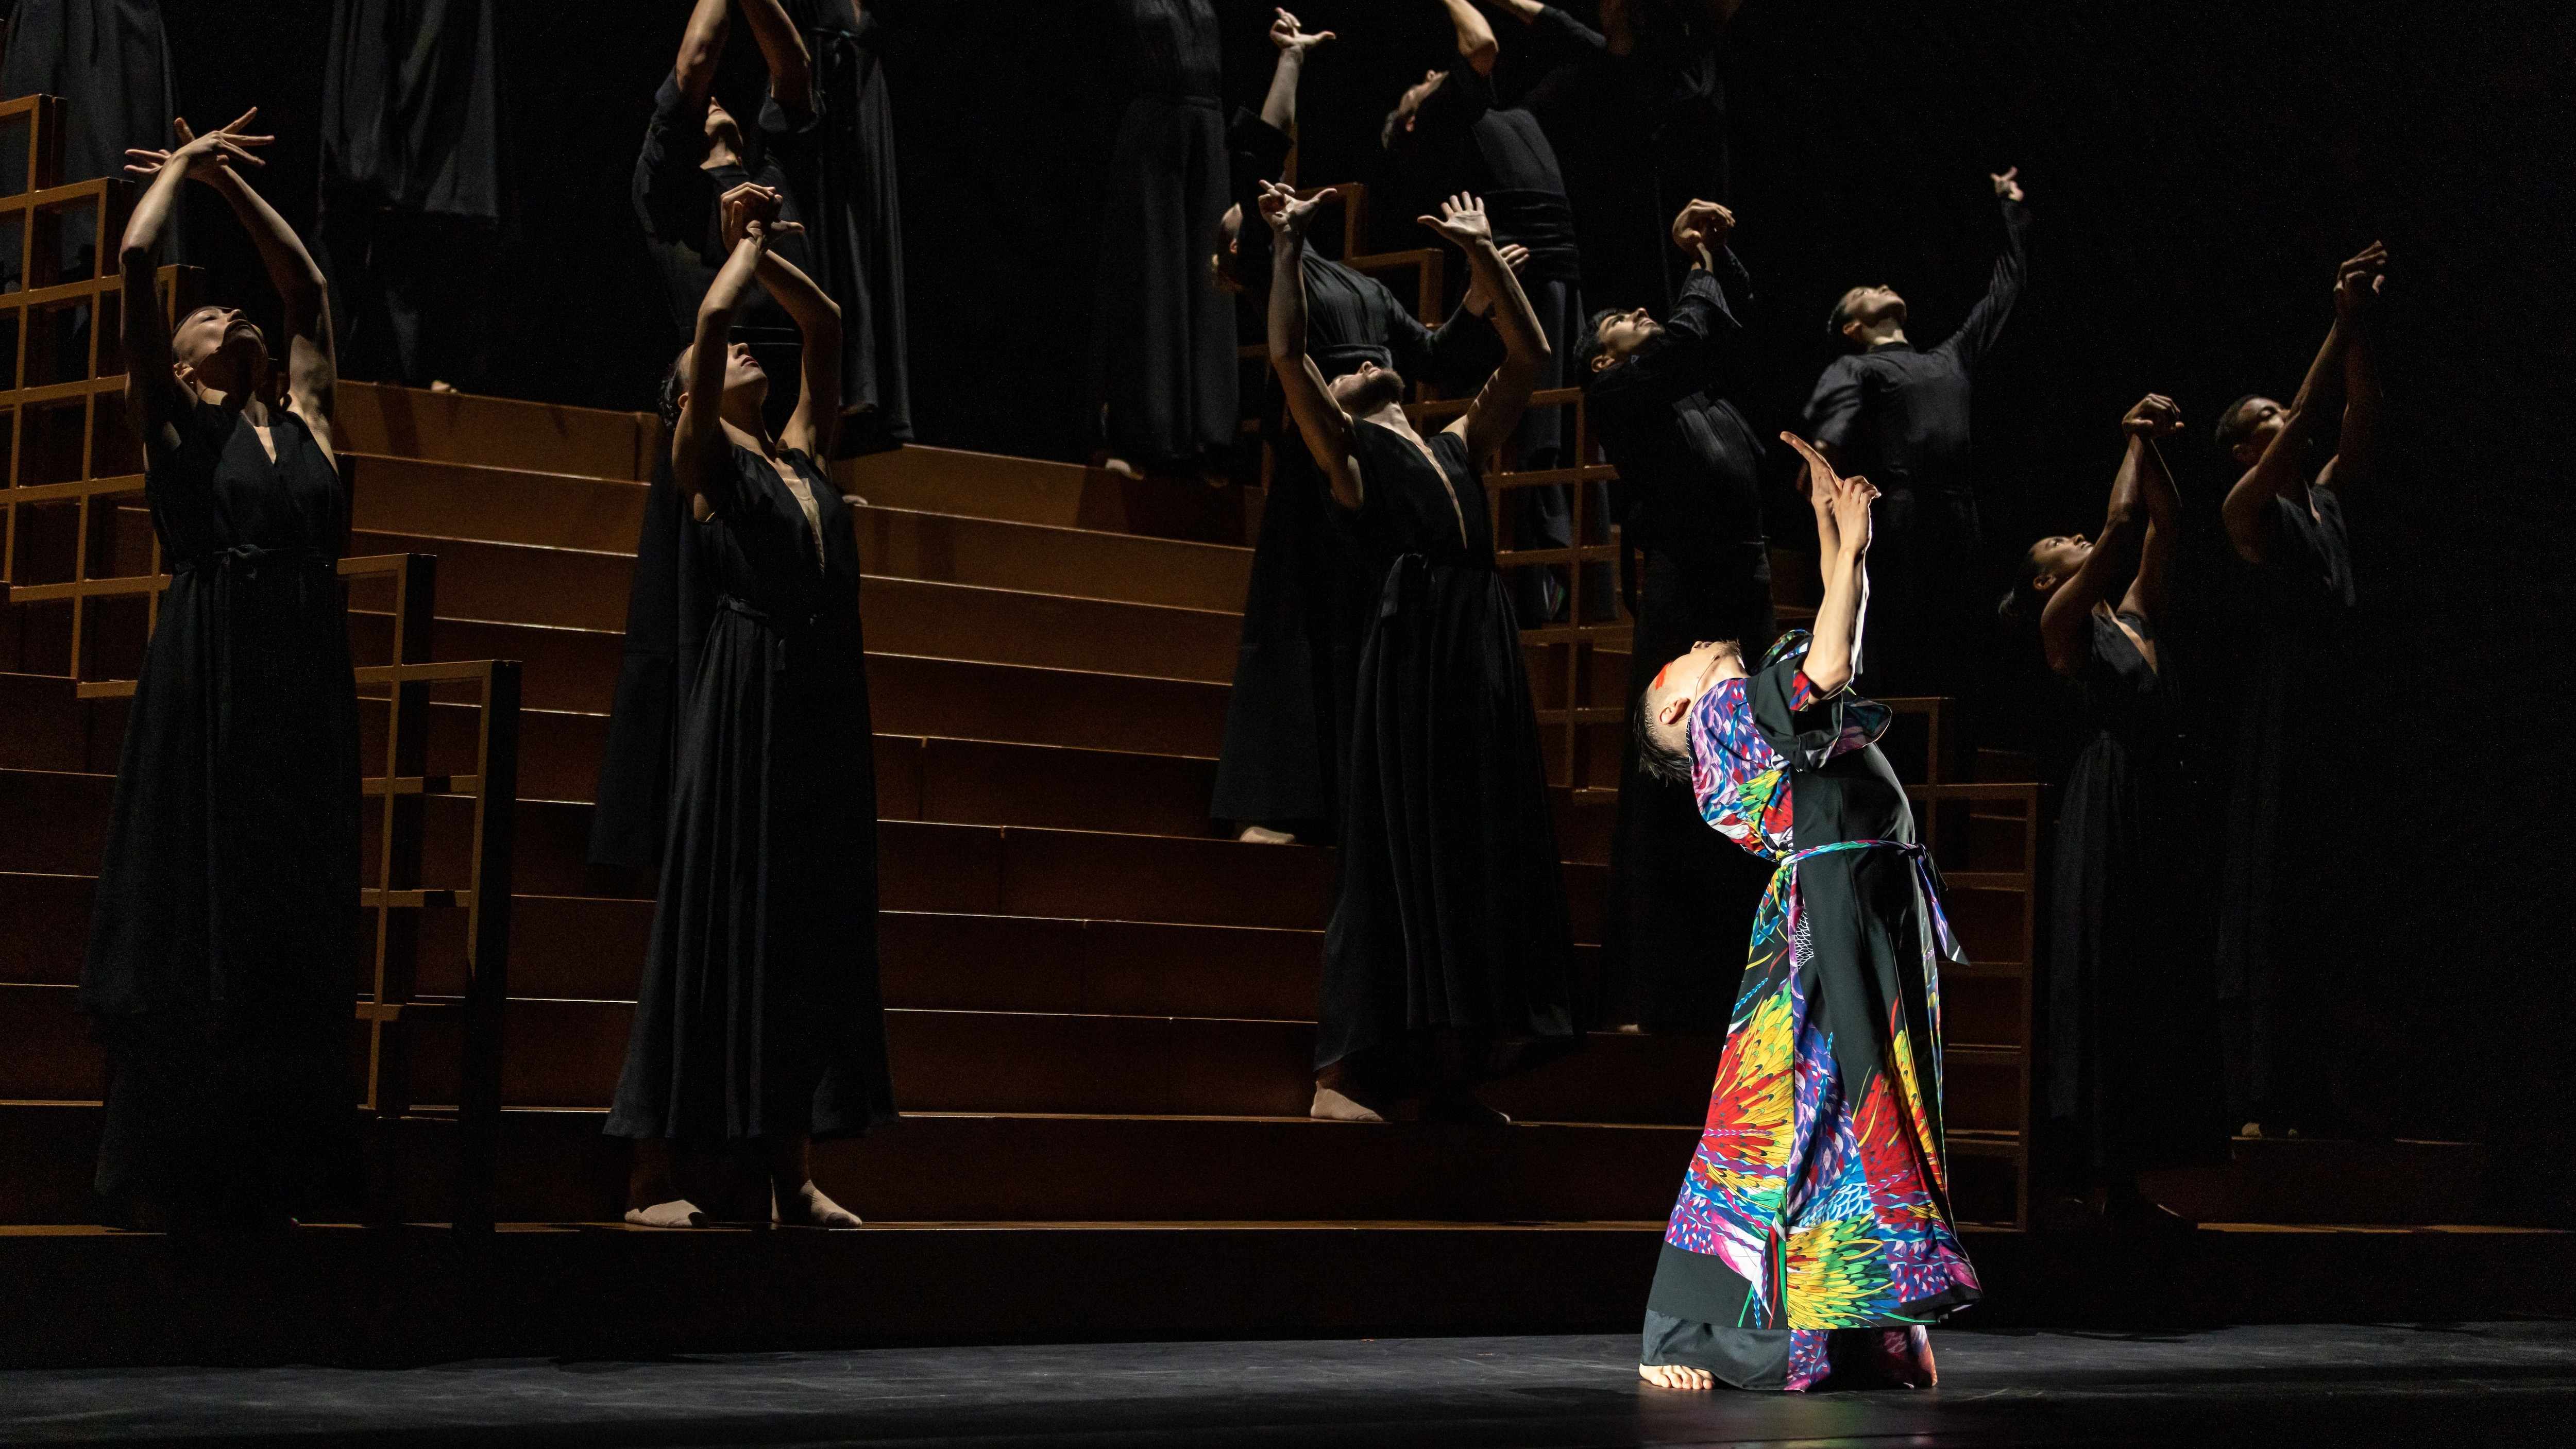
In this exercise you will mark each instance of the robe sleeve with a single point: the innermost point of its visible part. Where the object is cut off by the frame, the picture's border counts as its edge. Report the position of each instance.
(1460, 353)
(1256, 151)
(1807, 728)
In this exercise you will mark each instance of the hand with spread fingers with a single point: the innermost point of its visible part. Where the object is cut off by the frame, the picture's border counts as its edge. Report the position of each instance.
(1461, 221)
(2358, 281)
(1288, 216)
(208, 158)
(1292, 37)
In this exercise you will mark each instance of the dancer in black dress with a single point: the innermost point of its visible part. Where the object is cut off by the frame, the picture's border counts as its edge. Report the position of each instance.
(1901, 417)
(759, 1021)
(1163, 383)
(224, 950)
(2285, 965)
(411, 186)
(1447, 134)
(2131, 1011)
(1288, 719)
(110, 62)
(1446, 959)
(1689, 499)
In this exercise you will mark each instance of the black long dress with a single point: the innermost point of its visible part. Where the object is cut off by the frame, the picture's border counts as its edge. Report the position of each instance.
(760, 1013)
(2282, 944)
(1689, 498)
(1901, 417)
(224, 952)
(110, 62)
(411, 190)
(2133, 1073)
(1163, 381)
(840, 166)
(1288, 719)
(1449, 906)
(1464, 141)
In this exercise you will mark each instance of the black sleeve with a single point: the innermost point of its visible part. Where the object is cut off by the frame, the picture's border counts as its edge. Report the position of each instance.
(1702, 339)
(1458, 354)
(1453, 108)
(1256, 151)
(672, 196)
(1560, 38)
(1833, 409)
(1986, 322)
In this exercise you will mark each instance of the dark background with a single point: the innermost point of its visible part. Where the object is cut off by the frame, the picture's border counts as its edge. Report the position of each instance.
(2196, 170)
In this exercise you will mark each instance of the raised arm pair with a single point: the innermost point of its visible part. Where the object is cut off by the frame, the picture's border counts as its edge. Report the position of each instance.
(1321, 418)
(235, 367)
(2137, 540)
(700, 445)
(1843, 532)
(2340, 374)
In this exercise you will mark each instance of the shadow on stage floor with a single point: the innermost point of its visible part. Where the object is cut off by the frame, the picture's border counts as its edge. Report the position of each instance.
(2415, 1385)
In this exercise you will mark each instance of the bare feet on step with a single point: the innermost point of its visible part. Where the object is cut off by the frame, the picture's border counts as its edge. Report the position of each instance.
(1676, 1376)
(1332, 1106)
(679, 1212)
(807, 1207)
(1262, 835)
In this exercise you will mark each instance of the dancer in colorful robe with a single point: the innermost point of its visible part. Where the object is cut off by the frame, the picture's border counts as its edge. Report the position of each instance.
(1813, 1239)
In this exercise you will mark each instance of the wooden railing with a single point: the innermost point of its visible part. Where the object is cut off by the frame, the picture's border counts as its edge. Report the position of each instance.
(66, 538)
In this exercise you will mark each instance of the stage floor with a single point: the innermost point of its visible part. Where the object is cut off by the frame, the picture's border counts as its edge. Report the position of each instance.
(2483, 1384)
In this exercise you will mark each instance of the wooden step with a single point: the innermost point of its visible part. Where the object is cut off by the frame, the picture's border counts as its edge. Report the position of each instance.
(1063, 495)
(462, 504)
(492, 432)
(2322, 1180)
(1001, 1168)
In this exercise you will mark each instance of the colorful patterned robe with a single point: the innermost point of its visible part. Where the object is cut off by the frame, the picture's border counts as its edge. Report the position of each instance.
(1819, 1181)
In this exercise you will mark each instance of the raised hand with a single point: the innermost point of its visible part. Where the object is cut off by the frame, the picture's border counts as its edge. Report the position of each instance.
(206, 157)
(2154, 416)
(2007, 183)
(1288, 216)
(1293, 38)
(2358, 281)
(1852, 498)
(1462, 220)
(1702, 224)
(751, 209)
(1816, 485)
(1515, 256)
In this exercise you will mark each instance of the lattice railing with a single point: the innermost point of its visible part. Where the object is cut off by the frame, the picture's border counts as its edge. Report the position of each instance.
(77, 544)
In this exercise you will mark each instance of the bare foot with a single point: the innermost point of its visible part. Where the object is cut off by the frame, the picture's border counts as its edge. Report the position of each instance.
(437, 386)
(1676, 1376)
(1332, 1106)
(679, 1212)
(1121, 467)
(1257, 835)
(1630, 1028)
(807, 1207)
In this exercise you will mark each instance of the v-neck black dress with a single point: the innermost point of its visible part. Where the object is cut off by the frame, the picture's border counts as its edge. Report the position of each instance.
(1449, 907)
(2132, 1056)
(224, 952)
(2281, 933)
(760, 1014)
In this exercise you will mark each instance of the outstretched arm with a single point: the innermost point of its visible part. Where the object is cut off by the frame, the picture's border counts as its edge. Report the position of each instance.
(791, 66)
(1985, 323)
(1829, 658)
(701, 47)
(312, 360)
(1496, 412)
(2356, 296)
(700, 452)
(817, 418)
(1475, 37)
(2152, 589)
(1326, 428)
(2117, 548)
(1279, 108)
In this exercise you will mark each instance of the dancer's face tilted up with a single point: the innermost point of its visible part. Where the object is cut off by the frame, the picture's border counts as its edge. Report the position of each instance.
(1621, 334)
(2054, 560)
(1370, 390)
(2252, 424)
(1668, 699)
(746, 385)
(220, 349)
(1868, 315)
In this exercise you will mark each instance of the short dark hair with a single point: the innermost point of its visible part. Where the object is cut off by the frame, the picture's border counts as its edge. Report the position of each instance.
(1841, 314)
(675, 381)
(1391, 133)
(1659, 760)
(2236, 423)
(2020, 603)
(1590, 347)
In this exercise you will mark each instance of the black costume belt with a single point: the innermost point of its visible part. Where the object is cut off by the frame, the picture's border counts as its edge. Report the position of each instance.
(246, 562)
(1343, 359)
(1409, 576)
(1543, 221)
(784, 630)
